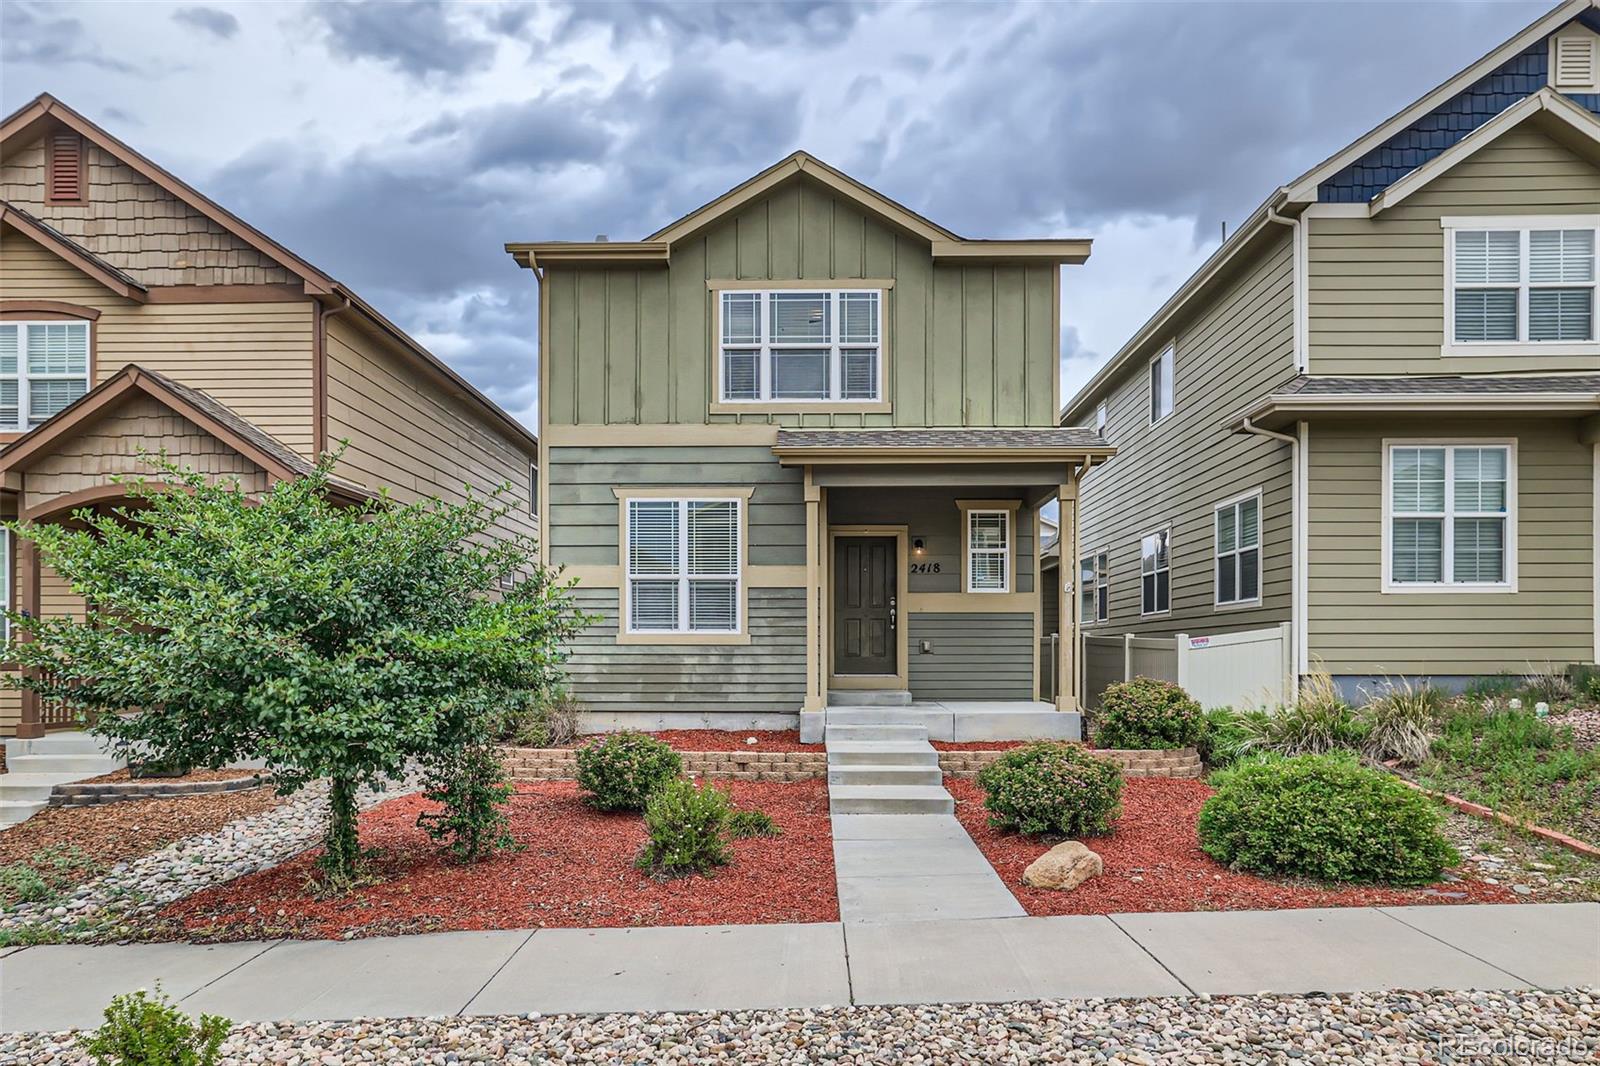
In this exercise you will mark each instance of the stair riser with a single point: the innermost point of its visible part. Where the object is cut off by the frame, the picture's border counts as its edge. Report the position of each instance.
(24, 793)
(910, 757)
(64, 744)
(16, 815)
(89, 765)
(884, 775)
(874, 805)
(876, 716)
(869, 698)
(905, 733)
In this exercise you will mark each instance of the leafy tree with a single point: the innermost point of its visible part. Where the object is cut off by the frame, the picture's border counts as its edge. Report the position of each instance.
(334, 641)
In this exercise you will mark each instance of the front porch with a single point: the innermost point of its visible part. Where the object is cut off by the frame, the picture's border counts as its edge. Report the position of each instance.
(950, 720)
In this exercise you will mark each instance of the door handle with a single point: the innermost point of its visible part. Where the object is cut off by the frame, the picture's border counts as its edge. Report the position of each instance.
(891, 612)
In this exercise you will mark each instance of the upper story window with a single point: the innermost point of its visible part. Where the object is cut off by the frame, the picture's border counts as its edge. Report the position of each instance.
(1155, 572)
(798, 345)
(1520, 285)
(683, 562)
(1161, 368)
(533, 490)
(1100, 419)
(44, 366)
(1449, 517)
(1094, 600)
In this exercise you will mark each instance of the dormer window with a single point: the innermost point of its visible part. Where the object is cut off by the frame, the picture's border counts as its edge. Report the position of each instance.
(800, 345)
(64, 168)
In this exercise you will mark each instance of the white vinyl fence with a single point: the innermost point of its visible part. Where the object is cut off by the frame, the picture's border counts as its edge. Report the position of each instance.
(1250, 669)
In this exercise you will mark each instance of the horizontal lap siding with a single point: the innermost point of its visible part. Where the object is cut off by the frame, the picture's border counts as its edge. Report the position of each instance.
(932, 516)
(967, 344)
(1376, 286)
(766, 675)
(974, 657)
(582, 527)
(409, 434)
(1356, 629)
(1237, 347)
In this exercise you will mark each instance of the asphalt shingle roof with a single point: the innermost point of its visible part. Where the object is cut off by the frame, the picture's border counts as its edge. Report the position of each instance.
(1045, 439)
(1441, 385)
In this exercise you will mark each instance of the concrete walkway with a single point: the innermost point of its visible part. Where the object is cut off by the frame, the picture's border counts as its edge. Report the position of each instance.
(752, 967)
(914, 868)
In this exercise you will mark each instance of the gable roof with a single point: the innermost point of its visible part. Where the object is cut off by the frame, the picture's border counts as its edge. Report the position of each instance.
(1286, 202)
(33, 117)
(657, 248)
(53, 240)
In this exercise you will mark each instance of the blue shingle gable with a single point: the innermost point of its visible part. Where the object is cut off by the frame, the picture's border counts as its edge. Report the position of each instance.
(1521, 76)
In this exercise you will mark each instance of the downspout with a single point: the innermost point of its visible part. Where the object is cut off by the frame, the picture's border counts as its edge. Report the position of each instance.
(1297, 258)
(1299, 610)
(319, 378)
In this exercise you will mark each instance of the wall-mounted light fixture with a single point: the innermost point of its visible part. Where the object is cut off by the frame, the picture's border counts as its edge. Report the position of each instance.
(917, 547)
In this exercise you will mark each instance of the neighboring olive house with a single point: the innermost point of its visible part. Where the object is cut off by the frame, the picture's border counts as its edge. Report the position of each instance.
(1372, 416)
(796, 444)
(136, 315)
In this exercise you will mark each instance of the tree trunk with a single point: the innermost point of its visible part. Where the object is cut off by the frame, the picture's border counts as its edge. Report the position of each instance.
(341, 849)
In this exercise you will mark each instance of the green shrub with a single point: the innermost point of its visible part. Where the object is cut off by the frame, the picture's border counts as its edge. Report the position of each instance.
(688, 827)
(469, 784)
(1052, 788)
(1147, 713)
(745, 824)
(1399, 722)
(1326, 817)
(620, 771)
(145, 1030)
(1319, 722)
(1222, 736)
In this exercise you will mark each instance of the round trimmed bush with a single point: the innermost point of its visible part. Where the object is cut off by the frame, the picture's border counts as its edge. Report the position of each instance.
(687, 824)
(1051, 788)
(621, 771)
(1147, 713)
(1325, 817)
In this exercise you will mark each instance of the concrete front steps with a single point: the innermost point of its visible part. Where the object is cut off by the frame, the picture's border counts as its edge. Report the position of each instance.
(35, 767)
(878, 764)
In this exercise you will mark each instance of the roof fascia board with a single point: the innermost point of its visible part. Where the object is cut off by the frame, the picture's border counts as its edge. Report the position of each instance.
(71, 254)
(858, 455)
(1304, 188)
(536, 254)
(1544, 102)
(1457, 403)
(1057, 250)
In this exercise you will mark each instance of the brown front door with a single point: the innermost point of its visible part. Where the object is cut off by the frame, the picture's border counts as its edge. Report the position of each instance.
(864, 605)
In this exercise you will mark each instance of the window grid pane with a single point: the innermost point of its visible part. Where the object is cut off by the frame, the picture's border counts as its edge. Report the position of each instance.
(1462, 540)
(1561, 314)
(800, 373)
(801, 346)
(653, 537)
(988, 548)
(800, 316)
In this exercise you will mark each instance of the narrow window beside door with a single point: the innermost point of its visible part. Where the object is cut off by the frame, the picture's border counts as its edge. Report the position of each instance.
(988, 551)
(683, 566)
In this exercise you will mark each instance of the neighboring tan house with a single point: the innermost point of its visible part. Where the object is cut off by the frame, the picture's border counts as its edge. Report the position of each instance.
(136, 314)
(1372, 416)
(796, 443)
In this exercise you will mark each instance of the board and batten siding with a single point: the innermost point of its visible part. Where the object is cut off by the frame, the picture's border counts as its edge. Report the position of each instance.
(1355, 629)
(986, 656)
(1235, 348)
(253, 357)
(1376, 285)
(411, 434)
(766, 676)
(967, 344)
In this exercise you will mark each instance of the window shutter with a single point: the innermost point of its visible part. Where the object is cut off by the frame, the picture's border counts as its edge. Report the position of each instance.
(1574, 62)
(64, 168)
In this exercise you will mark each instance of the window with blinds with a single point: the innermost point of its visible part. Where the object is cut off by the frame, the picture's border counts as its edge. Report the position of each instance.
(801, 346)
(988, 551)
(683, 566)
(44, 367)
(1450, 511)
(1239, 551)
(1521, 285)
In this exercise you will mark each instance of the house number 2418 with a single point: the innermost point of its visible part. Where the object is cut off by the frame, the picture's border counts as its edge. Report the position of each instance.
(926, 568)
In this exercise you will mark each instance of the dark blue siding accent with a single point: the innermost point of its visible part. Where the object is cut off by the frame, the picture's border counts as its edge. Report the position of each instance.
(1517, 78)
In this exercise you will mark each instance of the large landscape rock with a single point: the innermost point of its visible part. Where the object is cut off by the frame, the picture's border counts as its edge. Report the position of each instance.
(1065, 866)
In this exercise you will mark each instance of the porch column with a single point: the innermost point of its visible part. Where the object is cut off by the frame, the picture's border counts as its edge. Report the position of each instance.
(816, 537)
(1067, 646)
(31, 726)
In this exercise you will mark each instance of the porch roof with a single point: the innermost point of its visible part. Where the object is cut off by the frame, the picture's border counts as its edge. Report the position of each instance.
(1070, 444)
(1558, 394)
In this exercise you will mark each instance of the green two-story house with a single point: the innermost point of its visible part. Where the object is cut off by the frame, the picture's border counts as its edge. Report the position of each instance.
(1371, 422)
(794, 448)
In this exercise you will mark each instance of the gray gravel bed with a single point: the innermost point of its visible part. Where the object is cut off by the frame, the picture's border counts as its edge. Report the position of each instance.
(1399, 1027)
(184, 867)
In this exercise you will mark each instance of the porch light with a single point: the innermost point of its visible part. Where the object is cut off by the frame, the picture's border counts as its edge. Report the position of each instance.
(917, 546)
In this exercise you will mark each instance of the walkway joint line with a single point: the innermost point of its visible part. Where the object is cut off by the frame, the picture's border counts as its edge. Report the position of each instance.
(1112, 919)
(234, 969)
(503, 964)
(1457, 947)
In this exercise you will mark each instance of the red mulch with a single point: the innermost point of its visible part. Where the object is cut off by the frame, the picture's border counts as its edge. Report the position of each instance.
(1153, 862)
(722, 740)
(575, 871)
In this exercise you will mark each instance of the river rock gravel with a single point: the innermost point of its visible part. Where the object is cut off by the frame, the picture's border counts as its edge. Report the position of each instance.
(1399, 1027)
(94, 910)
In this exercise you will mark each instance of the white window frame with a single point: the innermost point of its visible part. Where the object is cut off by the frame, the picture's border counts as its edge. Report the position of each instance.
(835, 346)
(1167, 529)
(682, 576)
(1166, 361)
(1100, 419)
(1100, 563)
(1447, 562)
(1524, 224)
(1006, 552)
(1218, 603)
(23, 377)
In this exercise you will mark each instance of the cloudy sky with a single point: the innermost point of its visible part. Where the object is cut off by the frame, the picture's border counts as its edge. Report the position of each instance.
(398, 146)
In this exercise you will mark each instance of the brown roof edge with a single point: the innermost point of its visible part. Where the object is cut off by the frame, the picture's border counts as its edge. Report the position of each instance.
(71, 252)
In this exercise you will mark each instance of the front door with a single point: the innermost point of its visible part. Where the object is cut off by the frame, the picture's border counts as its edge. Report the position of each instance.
(864, 605)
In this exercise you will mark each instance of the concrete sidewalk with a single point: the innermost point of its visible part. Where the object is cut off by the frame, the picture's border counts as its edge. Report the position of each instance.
(760, 966)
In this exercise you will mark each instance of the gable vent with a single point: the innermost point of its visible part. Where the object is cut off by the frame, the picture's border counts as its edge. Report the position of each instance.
(1573, 62)
(64, 169)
